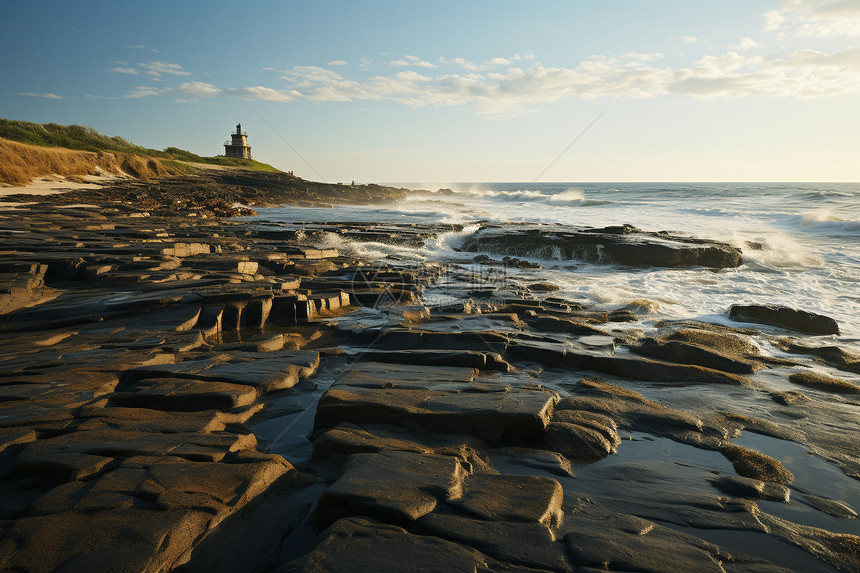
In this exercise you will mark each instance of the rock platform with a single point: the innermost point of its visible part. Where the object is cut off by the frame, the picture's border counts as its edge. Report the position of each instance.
(152, 371)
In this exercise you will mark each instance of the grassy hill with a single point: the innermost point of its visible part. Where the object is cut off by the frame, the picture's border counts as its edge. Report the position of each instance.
(29, 150)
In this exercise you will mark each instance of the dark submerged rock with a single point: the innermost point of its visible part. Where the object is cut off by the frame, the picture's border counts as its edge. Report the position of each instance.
(623, 245)
(785, 317)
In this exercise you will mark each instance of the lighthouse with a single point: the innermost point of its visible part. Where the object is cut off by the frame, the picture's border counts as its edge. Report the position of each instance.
(238, 144)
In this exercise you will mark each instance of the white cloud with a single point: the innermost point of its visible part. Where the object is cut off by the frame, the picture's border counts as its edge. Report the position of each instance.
(689, 39)
(145, 91)
(44, 96)
(815, 18)
(745, 44)
(466, 64)
(802, 74)
(157, 68)
(338, 63)
(495, 62)
(412, 61)
(123, 70)
(262, 93)
(304, 76)
(199, 89)
(643, 57)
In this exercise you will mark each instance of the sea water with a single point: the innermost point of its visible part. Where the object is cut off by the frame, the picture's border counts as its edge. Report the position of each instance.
(800, 241)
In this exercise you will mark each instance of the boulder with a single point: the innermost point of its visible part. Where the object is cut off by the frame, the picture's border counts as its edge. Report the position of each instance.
(577, 442)
(631, 247)
(752, 464)
(785, 317)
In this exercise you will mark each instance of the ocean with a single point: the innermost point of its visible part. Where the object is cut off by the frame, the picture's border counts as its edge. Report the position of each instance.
(800, 241)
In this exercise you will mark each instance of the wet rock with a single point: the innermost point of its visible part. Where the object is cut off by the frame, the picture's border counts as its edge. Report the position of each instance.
(148, 420)
(832, 507)
(751, 488)
(628, 543)
(830, 355)
(435, 399)
(718, 351)
(577, 442)
(513, 498)
(642, 306)
(55, 455)
(563, 325)
(465, 358)
(785, 317)
(603, 424)
(567, 356)
(631, 410)
(350, 439)
(525, 544)
(753, 464)
(393, 486)
(825, 383)
(186, 395)
(145, 515)
(789, 397)
(266, 373)
(14, 436)
(633, 247)
(186, 250)
(354, 544)
(543, 460)
(543, 287)
(88, 541)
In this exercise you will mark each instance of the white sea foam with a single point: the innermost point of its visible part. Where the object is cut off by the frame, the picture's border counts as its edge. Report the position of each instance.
(825, 221)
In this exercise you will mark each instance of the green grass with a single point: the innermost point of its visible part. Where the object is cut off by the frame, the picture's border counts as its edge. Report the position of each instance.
(85, 138)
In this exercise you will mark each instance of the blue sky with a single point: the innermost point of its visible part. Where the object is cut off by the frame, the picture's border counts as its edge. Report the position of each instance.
(457, 91)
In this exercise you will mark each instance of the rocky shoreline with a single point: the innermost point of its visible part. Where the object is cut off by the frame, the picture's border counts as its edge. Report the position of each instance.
(217, 395)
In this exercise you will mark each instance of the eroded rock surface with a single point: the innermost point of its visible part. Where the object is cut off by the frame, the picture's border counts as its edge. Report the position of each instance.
(155, 376)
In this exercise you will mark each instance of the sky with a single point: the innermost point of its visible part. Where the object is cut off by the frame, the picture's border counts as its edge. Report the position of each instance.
(456, 91)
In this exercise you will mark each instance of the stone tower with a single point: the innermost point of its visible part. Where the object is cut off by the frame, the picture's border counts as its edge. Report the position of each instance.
(238, 145)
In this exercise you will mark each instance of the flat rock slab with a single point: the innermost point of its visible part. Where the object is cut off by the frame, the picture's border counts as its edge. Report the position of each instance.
(628, 543)
(436, 399)
(513, 498)
(142, 516)
(118, 443)
(150, 420)
(393, 486)
(186, 395)
(464, 358)
(359, 545)
(276, 371)
(524, 544)
(625, 245)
